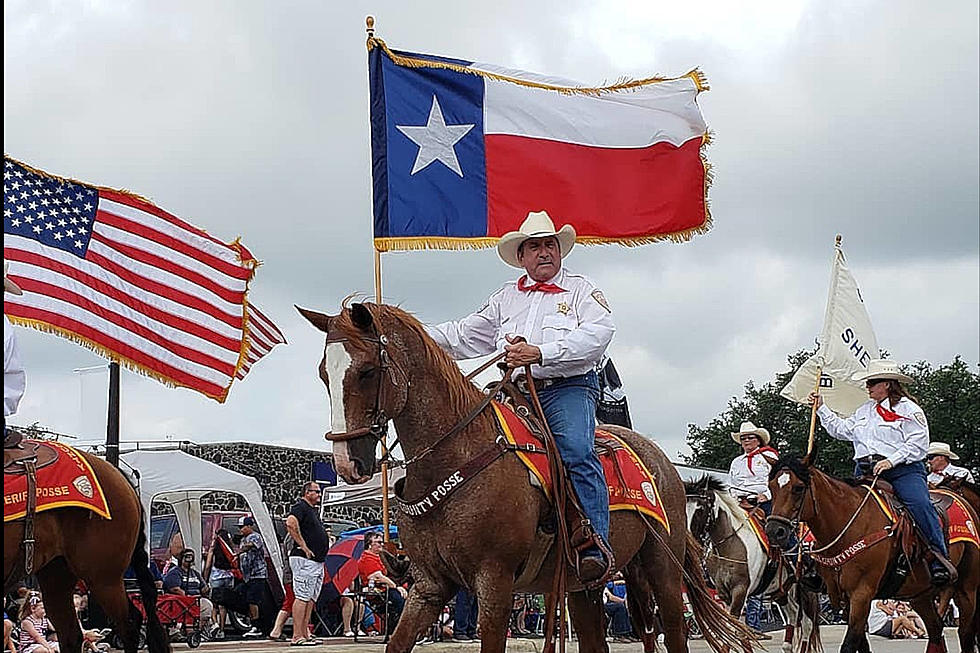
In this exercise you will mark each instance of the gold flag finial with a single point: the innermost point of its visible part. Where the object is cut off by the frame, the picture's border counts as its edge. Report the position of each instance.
(369, 25)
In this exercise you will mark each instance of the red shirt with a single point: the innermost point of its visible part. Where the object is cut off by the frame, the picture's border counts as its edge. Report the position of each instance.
(368, 564)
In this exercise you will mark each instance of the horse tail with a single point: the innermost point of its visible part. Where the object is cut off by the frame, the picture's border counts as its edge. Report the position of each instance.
(156, 637)
(721, 631)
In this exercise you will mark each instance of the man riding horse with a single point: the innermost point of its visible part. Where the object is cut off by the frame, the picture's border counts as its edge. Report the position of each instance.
(560, 324)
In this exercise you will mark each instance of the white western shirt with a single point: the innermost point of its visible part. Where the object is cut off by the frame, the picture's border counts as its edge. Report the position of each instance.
(572, 328)
(953, 471)
(742, 481)
(902, 441)
(13, 371)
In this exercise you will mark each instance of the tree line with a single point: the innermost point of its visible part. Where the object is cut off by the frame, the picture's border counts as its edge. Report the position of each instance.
(949, 394)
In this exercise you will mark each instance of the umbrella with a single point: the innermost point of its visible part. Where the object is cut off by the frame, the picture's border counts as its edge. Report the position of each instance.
(340, 565)
(360, 532)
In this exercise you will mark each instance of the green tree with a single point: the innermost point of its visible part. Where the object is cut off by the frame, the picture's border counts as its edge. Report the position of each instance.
(949, 395)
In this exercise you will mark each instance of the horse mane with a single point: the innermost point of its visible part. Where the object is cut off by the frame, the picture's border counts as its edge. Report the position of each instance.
(708, 483)
(462, 394)
(731, 505)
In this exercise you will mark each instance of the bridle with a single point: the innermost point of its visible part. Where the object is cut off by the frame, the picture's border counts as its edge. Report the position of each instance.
(379, 419)
(794, 523)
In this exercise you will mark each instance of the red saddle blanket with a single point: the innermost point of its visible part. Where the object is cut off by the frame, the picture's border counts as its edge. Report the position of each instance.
(759, 528)
(961, 525)
(67, 482)
(631, 486)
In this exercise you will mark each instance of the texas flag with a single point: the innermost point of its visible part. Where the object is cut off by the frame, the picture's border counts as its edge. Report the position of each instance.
(463, 151)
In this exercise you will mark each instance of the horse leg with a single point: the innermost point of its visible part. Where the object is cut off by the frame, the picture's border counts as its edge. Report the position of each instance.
(423, 606)
(855, 640)
(667, 591)
(589, 621)
(494, 596)
(111, 597)
(639, 602)
(57, 582)
(966, 602)
(926, 608)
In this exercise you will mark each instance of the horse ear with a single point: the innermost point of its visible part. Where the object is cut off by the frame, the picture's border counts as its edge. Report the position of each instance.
(361, 316)
(319, 320)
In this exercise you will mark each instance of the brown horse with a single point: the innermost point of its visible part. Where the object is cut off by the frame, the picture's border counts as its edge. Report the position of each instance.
(75, 543)
(490, 533)
(852, 529)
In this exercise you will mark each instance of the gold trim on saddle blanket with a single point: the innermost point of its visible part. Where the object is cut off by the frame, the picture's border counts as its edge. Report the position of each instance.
(648, 490)
(960, 532)
(75, 484)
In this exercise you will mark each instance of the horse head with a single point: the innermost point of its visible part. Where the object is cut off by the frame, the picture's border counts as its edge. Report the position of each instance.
(366, 385)
(701, 507)
(789, 483)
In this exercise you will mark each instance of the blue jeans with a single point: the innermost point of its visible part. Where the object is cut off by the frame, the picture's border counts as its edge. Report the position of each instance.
(569, 407)
(464, 619)
(619, 619)
(753, 612)
(909, 483)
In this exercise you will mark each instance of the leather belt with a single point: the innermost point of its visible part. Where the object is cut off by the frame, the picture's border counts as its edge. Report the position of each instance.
(869, 460)
(539, 384)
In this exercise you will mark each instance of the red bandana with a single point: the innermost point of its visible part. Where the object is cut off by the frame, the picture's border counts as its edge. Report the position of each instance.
(888, 415)
(544, 287)
(748, 459)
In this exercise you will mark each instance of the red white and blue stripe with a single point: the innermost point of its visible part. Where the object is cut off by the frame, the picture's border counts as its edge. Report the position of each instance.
(462, 151)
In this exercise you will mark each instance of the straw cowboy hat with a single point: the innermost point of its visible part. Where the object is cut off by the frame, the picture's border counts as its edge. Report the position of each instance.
(748, 428)
(537, 224)
(8, 285)
(881, 368)
(941, 449)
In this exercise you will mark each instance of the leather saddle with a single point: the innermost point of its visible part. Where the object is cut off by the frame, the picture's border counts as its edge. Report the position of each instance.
(14, 458)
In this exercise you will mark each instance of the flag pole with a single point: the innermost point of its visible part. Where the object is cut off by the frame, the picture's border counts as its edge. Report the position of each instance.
(112, 418)
(816, 384)
(369, 28)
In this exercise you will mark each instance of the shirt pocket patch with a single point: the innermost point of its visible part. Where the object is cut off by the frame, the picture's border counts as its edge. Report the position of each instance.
(559, 322)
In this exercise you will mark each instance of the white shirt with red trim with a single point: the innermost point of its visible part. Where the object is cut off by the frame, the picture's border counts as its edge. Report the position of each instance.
(904, 440)
(572, 328)
(743, 481)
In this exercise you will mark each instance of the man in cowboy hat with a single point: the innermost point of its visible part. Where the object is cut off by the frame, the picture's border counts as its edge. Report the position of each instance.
(939, 456)
(560, 324)
(13, 372)
(749, 473)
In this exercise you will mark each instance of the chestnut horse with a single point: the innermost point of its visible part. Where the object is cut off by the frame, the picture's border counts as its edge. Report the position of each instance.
(490, 534)
(75, 544)
(840, 516)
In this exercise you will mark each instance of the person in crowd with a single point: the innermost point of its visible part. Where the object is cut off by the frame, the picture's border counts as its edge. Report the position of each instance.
(904, 609)
(286, 609)
(185, 580)
(251, 560)
(364, 619)
(221, 569)
(891, 436)
(175, 547)
(560, 324)
(464, 621)
(885, 620)
(306, 560)
(939, 456)
(36, 633)
(91, 638)
(614, 602)
(8, 629)
(371, 571)
(14, 377)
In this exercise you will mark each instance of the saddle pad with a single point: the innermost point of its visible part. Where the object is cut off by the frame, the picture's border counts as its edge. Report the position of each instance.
(68, 482)
(961, 525)
(631, 486)
(759, 528)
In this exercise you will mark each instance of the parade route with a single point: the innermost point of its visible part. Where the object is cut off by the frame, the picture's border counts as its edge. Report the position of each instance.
(832, 636)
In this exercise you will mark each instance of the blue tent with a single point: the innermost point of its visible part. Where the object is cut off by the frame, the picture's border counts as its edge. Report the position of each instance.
(392, 531)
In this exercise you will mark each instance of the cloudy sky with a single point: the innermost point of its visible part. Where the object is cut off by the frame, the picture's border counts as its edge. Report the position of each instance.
(250, 119)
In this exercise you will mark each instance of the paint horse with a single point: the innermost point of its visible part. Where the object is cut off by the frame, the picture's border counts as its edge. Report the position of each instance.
(489, 529)
(736, 562)
(857, 545)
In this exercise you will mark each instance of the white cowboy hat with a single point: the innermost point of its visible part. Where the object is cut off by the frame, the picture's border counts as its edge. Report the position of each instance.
(537, 224)
(8, 285)
(941, 449)
(881, 368)
(748, 428)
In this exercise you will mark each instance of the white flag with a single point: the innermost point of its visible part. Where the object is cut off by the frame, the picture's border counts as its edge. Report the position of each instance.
(847, 345)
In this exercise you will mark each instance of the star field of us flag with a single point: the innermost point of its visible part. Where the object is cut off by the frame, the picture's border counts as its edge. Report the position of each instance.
(123, 277)
(463, 151)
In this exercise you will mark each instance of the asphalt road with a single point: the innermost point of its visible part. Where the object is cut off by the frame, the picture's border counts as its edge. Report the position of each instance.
(832, 636)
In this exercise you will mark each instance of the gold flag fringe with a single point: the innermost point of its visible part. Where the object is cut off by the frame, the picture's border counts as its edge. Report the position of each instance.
(128, 363)
(624, 84)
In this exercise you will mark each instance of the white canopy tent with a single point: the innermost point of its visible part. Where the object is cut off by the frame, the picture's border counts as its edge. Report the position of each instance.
(181, 479)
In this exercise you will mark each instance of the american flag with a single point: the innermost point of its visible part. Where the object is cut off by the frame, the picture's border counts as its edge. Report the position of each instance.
(121, 276)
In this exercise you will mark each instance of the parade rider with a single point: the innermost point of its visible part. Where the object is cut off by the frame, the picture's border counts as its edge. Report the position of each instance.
(13, 371)
(891, 436)
(749, 473)
(560, 324)
(939, 456)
